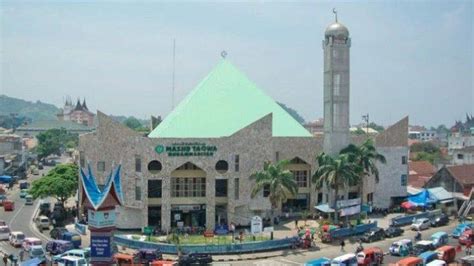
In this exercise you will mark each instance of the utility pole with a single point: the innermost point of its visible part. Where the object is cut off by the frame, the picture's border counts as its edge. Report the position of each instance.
(366, 119)
(173, 82)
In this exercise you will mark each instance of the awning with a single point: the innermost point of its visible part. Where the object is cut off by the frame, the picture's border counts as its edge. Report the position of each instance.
(324, 208)
(441, 194)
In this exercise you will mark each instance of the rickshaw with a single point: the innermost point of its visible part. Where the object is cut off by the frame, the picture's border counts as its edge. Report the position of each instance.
(446, 253)
(124, 259)
(370, 256)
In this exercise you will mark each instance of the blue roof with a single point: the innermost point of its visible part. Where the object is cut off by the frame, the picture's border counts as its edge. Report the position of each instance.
(318, 262)
(92, 191)
(438, 234)
(427, 254)
(422, 199)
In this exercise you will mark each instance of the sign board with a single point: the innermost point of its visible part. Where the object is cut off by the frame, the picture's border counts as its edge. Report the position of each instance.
(148, 230)
(348, 203)
(101, 219)
(256, 225)
(268, 229)
(185, 149)
(101, 247)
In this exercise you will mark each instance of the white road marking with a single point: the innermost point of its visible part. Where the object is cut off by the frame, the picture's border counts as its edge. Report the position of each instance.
(15, 215)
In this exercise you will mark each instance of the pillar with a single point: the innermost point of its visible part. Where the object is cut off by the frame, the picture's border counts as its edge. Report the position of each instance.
(166, 205)
(210, 202)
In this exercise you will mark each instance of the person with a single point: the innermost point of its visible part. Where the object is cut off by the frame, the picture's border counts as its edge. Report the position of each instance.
(22, 254)
(418, 236)
(241, 236)
(296, 223)
(468, 248)
(5, 259)
(342, 245)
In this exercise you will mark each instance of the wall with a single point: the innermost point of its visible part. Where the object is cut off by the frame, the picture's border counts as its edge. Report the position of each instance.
(443, 178)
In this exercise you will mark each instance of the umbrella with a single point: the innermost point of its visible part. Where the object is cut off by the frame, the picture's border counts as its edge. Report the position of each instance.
(407, 205)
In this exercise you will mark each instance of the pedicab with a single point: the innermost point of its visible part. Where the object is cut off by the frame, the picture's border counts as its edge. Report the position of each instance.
(124, 259)
(446, 253)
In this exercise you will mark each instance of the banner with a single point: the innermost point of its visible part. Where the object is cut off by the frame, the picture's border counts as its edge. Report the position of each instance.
(101, 219)
(347, 203)
(101, 247)
(350, 211)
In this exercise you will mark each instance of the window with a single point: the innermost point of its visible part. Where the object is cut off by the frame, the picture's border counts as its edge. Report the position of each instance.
(188, 187)
(404, 180)
(138, 191)
(236, 188)
(370, 197)
(266, 191)
(188, 166)
(222, 166)
(82, 159)
(320, 197)
(101, 166)
(404, 160)
(353, 195)
(154, 167)
(301, 178)
(138, 163)
(154, 188)
(460, 156)
(237, 162)
(221, 187)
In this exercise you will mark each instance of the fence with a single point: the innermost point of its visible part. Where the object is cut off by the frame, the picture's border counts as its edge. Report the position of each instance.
(210, 249)
(408, 219)
(356, 230)
(80, 228)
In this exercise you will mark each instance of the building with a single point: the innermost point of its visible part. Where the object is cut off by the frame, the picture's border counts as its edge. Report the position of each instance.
(13, 155)
(422, 134)
(34, 128)
(315, 127)
(420, 173)
(79, 113)
(195, 167)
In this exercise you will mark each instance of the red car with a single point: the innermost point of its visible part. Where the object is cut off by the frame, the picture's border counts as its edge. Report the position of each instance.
(467, 236)
(8, 205)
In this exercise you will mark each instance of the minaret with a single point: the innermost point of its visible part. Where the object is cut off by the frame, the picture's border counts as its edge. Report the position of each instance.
(336, 46)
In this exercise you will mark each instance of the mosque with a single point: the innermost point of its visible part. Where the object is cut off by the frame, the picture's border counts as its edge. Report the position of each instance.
(193, 169)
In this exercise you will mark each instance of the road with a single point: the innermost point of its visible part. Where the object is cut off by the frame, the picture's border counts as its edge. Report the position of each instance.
(298, 258)
(22, 217)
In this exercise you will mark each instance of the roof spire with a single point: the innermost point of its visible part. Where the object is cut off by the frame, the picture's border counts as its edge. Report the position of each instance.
(84, 104)
(223, 54)
(335, 13)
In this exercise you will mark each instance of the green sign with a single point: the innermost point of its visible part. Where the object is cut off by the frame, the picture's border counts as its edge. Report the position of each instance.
(187, 149)
(148, 230)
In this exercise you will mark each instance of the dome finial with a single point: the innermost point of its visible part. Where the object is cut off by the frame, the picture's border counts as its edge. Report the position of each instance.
(335, 13)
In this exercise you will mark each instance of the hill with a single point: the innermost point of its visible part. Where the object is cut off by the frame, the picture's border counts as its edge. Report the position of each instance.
(34, 110)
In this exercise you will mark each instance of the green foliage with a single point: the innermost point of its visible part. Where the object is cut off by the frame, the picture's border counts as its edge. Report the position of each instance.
(425, 156)
(442, 129)
(293, 113)
(132, 123)
(374, 126)
(36, 111)
(54, 141)
(425, 146)
(366, 156)
(280, 182)
(13, 121)
(61, 182)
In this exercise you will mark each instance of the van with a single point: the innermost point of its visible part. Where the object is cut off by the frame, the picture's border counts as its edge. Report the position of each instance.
(4, 232)
(345, 260)
(446, 253)
(460, 228)
(428, 256)
(29, 200)
(466, 236)
(42, 222)
(397, 246)
(31, 241)
(410, 261)
(37, 252)
(370, 256)
(16, 238)
(23, 184)
(439, 239)
(56, 247)
(72, 261)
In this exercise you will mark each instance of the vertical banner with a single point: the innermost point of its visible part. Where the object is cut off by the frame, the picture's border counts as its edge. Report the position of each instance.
(101, 246)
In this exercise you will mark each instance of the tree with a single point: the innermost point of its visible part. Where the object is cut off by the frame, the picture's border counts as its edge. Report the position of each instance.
(132, 123)
(279, 182)
(293, 113)
(377, 127)
(335, 172)
(61, 182)
(54, 141)
(425, 146)
(365, 156)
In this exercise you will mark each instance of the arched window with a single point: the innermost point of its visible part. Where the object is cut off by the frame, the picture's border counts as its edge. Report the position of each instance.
(222, 166)
(154, 167)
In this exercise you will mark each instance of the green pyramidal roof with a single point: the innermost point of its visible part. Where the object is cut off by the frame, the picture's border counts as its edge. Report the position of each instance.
(225, 102)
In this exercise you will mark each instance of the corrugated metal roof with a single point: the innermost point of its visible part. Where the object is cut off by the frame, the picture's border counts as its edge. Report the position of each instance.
(225, 102)
(440, 194)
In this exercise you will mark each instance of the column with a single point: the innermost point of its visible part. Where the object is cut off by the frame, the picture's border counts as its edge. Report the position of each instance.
(210, 202)
(230, 200)
(166, 204)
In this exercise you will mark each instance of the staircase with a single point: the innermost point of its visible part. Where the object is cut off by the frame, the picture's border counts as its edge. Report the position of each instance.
(467, 205)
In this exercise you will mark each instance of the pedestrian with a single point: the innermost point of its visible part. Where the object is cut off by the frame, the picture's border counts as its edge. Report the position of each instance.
(21, 254)
(342, 245)
(5, 259)
(296, 223)
(468, 248)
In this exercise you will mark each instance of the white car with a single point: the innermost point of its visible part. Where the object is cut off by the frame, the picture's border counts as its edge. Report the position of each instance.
(72, 261)
(420, 224)
(16, 238)
(37, 252)
(31, 241)
(4, 232)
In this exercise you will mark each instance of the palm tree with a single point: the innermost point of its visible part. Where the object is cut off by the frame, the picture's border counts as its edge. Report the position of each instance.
(335, 172)
(366, 156)
(279, 181)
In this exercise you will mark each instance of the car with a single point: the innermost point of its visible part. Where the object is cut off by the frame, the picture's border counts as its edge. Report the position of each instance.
(195, 258)
(37, 252)
(16, 238)
(72, 261)
(57, 232)
(397, 247)
(40, 166)
(2, 198)
(460, 228)
(423, 246)
(29, 200)
(440, 220)
(393, 231)
(31, 241)
(420, 224)
(42, 222)
(55, 247)
(4, 232)
(23, 193)
(3, 223)
(77, 253)
(23, 184)
(373, 235)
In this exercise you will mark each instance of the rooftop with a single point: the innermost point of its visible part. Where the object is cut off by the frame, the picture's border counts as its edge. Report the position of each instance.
(463, 173)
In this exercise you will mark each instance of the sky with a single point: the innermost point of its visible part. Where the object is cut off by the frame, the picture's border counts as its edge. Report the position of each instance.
(407, 57)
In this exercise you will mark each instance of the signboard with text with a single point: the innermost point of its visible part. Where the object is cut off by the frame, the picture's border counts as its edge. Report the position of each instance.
(187, 149)
(101, 219)
(348, 203)
(256, 225)
(101, 247)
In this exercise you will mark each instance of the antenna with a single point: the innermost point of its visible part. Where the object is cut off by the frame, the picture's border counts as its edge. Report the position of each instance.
(335, 13)
(174, 60)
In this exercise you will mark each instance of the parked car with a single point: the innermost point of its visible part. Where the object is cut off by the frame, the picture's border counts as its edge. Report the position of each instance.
(16, 238)
(466, 237)
(347, 260)
(40, 166)
(42, 222)
(393, 231)
(370, 256)
(439, 239)
(8, 205)
(31, 241)
(56, 247)
(422, 246)
(3, 223)
(74, 238)
(428, 256)
(397, 246)
(37, 252)
(146, 255)
(446, 253)
(373, 234)
(410, 261)
(78, 253)
(420, 224)
(318, 262)
(72, 261)
(440, 220)
(23, 184)
(57, 232)
(29, 200)
(23, 193)
(4, 232)
(195, 258)
(460, 228)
